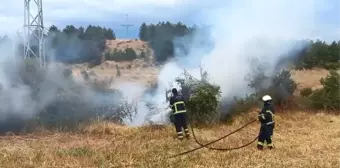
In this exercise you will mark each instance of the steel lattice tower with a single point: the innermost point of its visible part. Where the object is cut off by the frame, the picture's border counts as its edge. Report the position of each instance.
(127, 26)
(34, 31)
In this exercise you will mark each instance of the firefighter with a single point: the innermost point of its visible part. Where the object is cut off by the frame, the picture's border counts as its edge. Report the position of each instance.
(179, 114)
(267, 120)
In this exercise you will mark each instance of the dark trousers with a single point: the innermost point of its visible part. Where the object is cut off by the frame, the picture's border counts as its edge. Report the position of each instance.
(181, 122)
(265, 135)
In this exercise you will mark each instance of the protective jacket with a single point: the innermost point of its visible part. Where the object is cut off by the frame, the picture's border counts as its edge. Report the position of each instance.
(177, 104)
(267, 115)
(178, 116)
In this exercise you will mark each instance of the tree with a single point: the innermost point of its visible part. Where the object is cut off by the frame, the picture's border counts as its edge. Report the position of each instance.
(328, 97)
(130, 54)
(161, 37)
(319, 54)
(143, 34)
(334, 52)
(109, 34)
(53, 28)
(202, 98)
(70, 30)
(76, 45)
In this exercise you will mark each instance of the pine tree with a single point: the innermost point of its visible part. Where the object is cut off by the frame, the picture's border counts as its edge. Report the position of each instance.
(143, 35)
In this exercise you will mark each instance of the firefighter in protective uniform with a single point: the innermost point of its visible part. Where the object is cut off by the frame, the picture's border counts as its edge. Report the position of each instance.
(267, 120)
(179, 114)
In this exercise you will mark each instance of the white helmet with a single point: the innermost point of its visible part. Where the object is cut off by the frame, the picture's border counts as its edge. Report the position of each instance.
(266, 98)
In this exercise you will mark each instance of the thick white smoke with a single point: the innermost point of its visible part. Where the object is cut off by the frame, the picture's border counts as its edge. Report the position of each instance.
(240, 31)
(23, 92)
(15, 96)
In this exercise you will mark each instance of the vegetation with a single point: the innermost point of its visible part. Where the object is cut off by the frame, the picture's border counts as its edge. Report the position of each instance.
(116, 55)
(73, 106)
(328, 97)
(105, 144)
(58, 102)
(319, 54)
(161, 37)
(71, 44)
(202, 98)
(305, 92)
(77, 45)
(280, 85)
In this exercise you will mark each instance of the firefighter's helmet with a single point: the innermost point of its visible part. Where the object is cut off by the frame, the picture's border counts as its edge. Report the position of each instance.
(266, 98)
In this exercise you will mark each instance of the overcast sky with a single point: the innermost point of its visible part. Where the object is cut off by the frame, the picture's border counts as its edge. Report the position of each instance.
(111, 13)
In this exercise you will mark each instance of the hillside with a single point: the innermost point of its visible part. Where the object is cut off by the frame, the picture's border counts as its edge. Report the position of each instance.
(144, 72)
(109, 145)
(104, 144)
(309, 78)
(121, 44)
(139, 70)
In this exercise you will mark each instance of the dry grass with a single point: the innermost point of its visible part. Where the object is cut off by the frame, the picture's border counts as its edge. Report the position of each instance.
(133, 71)
(309, 78)
(301, 139)
(121, 44)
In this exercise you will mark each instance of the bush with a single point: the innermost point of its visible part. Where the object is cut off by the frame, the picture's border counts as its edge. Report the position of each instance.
(241, 105)
(279, 86)
(127, 55)
(202, 99)
(203, 104)
(327, 98)
(305, 92)
(332, 65)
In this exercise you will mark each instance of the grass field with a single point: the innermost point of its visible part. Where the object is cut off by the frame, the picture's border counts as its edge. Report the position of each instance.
(301, 140)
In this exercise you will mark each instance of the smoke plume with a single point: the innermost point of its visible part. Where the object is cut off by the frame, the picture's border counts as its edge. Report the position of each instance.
(50, 97)
(243, 35)
(238, 34)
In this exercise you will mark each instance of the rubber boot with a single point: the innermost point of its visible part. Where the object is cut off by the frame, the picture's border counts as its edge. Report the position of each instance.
(180, 135)
(187, 134)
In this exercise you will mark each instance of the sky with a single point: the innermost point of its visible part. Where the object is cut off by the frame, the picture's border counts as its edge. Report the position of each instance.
(112, 13)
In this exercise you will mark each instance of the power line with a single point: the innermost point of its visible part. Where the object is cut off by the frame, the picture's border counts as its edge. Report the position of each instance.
(127, 25)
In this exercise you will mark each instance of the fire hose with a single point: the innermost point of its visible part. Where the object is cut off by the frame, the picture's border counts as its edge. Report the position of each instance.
(212, 148)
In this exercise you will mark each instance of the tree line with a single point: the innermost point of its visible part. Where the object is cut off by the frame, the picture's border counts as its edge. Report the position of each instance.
(75, 45)
(70, 44)
(319, 54)
(161, 37)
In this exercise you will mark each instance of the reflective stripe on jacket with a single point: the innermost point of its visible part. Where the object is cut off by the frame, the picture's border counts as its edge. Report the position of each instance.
(179, 107)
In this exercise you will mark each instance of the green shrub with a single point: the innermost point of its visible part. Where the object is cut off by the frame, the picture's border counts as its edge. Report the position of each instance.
(202, 98)
(305, 92)
(116, 55)
(279, 86)
(332, 65)
(327, 98)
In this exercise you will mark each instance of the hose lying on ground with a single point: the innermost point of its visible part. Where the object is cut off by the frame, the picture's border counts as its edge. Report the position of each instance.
(221, 149)
(224, 149)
